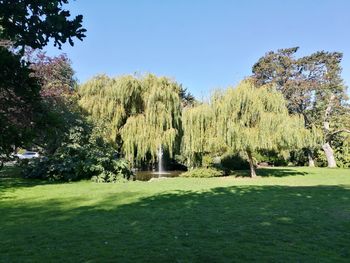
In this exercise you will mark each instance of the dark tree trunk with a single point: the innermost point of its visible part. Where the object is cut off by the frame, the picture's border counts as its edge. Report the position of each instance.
(251, 164)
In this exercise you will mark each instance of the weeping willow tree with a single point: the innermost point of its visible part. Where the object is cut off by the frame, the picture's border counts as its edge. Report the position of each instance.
(201, 136)
(197, 125)
(142, 114)
(245, 119)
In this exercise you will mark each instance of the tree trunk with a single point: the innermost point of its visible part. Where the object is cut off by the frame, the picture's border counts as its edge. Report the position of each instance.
(251, 164)
(329, 155)
(328, 137)
(311, 159)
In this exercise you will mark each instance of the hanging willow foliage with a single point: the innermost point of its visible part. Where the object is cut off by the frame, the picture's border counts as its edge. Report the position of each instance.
(253, 119)
(145, 113)
(244, 119)
(201, 135)
(197, 122)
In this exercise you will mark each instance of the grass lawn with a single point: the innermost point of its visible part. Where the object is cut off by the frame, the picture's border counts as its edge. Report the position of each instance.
(288, 215)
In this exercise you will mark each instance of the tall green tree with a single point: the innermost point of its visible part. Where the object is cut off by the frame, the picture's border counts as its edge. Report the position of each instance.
(244, 119)
(19, 102)
(27, 23)
(312, 86)
(58, 99)
(142, 114)
(199, 129)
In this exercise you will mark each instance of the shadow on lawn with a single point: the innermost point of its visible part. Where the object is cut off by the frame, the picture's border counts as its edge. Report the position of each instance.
(11, 180)
(279, 172)
(260, 223)
(269, 172)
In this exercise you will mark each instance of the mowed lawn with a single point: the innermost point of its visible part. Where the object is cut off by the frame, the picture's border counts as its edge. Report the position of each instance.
(288, 215)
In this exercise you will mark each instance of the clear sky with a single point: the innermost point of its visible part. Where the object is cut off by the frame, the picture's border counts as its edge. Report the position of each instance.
(203, 44)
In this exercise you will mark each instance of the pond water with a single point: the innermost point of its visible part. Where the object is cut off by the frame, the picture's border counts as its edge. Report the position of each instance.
(148, 175)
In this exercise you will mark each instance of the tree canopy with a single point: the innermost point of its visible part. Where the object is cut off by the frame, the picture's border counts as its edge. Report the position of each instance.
(34, 22)
(55, 74)
(141, 113)
(312, 86)
(29, 23)
(19, 101)
(58, 99)
(244, 119)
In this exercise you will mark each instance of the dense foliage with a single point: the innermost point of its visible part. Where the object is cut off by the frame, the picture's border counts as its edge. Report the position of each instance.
(244, 119)
(84, 156)
(34, 22)
(55, 74)
(141, 114)
(19, 103)
(28, 24)
(312, 86)
(288, 107)
(233, 161)
(58, 99)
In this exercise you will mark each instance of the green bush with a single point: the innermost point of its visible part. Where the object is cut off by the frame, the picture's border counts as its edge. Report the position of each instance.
(342, 150)
(298, 157)
(207, 161)
(320, 158)
(119, 173)
(275, 158)
(85, 156)
(72, 164)
(203, 173)
(230, 162)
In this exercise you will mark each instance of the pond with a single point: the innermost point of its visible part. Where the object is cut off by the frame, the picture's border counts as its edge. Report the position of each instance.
(148, 175)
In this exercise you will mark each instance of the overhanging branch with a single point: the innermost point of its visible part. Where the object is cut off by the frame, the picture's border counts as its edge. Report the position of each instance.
(339, 131)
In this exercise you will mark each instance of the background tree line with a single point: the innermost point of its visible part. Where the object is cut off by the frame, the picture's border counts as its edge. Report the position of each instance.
(311, 86)
(288, 109)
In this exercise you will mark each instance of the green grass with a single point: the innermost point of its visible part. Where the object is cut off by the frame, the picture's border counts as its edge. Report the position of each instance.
(288, 215)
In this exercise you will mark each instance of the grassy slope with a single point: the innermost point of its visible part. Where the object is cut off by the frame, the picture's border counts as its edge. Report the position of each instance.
(290, 214)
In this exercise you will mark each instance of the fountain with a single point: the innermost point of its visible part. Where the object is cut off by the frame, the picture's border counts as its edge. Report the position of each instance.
(161, 171)
(150, 176)
(160, 161)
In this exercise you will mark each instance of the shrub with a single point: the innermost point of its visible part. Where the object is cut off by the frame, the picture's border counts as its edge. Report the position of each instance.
(119, 173)
(70, 164)
(203, 173)
(83, 157)
(320, 158)
(276, 158)
(207, 161)
(342, 151)
(230, 162)
(299, 157)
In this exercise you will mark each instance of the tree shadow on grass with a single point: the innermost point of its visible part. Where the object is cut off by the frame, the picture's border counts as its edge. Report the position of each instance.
(11, 180)
(226, 224)
(279, 172)
(269, 172)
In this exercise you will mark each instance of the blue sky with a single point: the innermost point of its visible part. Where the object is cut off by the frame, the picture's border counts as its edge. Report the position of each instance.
(203, 44)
